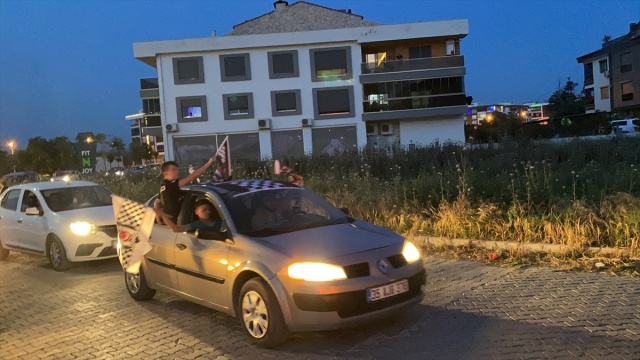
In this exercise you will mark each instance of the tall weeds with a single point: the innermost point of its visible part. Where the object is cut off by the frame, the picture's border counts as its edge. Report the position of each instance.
(578, 194)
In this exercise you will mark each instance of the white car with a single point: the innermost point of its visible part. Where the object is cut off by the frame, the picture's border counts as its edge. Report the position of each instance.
(625, 126)
(64, 221)
(66, 175)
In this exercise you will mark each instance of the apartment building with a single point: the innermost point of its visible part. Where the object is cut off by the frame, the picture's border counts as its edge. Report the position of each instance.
(305, 79)
(476, 113)
(146, 125)
(612, 75)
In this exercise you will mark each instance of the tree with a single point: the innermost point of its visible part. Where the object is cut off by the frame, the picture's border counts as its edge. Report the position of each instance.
(565, 102)
(118, 148)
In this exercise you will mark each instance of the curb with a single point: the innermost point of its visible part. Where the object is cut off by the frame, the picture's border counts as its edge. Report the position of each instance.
(532, 247)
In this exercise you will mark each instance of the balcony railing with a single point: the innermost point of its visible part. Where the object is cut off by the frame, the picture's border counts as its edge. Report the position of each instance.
(413, 64)
(415, 102)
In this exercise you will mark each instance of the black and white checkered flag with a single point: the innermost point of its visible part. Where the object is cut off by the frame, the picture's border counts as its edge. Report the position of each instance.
(134, 222)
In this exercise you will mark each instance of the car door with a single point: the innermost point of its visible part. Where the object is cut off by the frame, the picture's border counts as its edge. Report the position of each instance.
(201, 265)
(9, 217)
(32, 229)
(160, 261)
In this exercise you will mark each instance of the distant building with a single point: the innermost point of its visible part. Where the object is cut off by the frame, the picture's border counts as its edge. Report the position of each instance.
(146, 125)
(476, 113)
(612, 75)
(308, 79)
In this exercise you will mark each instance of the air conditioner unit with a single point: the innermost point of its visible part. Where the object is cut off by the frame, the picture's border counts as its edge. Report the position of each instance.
(606, 73)
(264, 124)
(307, 122)
(386, 129)
(372, 129)
(171, 127)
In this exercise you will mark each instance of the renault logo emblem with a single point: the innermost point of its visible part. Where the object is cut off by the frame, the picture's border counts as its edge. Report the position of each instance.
(383, 266)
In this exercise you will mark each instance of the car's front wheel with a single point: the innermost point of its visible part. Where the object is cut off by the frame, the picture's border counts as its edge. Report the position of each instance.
(137, 286)
(260, 315)
(57, 255)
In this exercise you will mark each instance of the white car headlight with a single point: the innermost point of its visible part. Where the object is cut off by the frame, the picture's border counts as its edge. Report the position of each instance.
(410, 252)
(81, 228)
(309, 271)
(66, 178)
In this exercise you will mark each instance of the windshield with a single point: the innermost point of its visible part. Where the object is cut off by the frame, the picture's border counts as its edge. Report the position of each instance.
(277, 211)
(81, 197)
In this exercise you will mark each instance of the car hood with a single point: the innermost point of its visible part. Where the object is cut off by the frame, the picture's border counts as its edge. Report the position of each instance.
(102, 215)
(333, 241)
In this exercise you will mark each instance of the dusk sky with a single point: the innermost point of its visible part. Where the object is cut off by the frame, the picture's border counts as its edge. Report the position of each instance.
(68, 66)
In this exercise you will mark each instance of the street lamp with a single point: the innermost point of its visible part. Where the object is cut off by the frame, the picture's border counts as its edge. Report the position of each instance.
(89, 139)
(11, 144)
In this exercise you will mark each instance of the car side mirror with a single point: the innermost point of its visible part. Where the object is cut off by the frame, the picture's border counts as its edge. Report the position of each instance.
(345, 210)
(210, 234)
(33, 211)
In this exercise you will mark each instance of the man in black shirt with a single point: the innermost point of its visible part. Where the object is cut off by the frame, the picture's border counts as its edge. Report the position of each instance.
(170, 193)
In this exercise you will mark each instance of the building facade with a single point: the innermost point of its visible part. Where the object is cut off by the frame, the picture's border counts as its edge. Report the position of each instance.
(612, 75)
(308, 79)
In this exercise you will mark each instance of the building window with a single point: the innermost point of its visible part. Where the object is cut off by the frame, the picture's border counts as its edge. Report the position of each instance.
(151, 106)
(627, 90)
(588, 73)
(244, 146)
(238, 106)
(135, 131)
(330, 64)
(419, 52)
(188, 70)
(283, 64)
(604, 92)
(235, 67)
(192, 108)
(333, 103)
(334, 140)
(287, 143)
(625, 62)
(285, 103)
(603, 66)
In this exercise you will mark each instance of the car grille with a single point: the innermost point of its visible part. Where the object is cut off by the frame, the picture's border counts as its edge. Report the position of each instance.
(110, 230)
(356, 270)
(397, 260)
(355, 303)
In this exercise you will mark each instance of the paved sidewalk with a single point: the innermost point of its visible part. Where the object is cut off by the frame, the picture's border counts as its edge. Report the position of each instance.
(471, 311)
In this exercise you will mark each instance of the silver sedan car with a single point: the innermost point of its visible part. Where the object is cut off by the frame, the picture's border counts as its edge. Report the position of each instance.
(281, 259)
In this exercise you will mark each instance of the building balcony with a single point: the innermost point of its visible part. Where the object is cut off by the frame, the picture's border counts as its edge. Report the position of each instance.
(415, 107)
(429, 63)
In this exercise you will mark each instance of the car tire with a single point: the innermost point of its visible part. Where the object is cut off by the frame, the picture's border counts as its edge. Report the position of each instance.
(260, 315)
(4, 253)
(57, 255)
(137, 286)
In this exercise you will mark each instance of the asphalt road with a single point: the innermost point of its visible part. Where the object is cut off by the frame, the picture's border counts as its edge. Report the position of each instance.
(471, 311)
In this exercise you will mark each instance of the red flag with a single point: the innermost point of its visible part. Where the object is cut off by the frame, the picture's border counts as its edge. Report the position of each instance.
(223, 157)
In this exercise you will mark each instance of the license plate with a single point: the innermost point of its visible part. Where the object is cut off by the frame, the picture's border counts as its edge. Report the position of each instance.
(385, 291)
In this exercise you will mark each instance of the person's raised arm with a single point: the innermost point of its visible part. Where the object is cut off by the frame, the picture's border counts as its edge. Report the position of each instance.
(194, 175)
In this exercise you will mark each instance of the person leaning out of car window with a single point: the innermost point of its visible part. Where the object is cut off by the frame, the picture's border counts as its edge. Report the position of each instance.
(205, 212)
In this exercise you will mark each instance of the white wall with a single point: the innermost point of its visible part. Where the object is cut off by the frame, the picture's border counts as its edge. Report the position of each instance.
(600, 80)
(261, 86)
(425, 132)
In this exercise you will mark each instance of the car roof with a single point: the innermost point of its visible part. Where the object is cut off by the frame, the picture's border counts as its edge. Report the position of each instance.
(49, 185)
(243, 187)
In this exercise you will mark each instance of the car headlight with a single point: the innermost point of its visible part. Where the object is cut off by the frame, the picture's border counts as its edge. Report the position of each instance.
(309, 271)
(410, 252)
(81, 228)
(66, 178)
